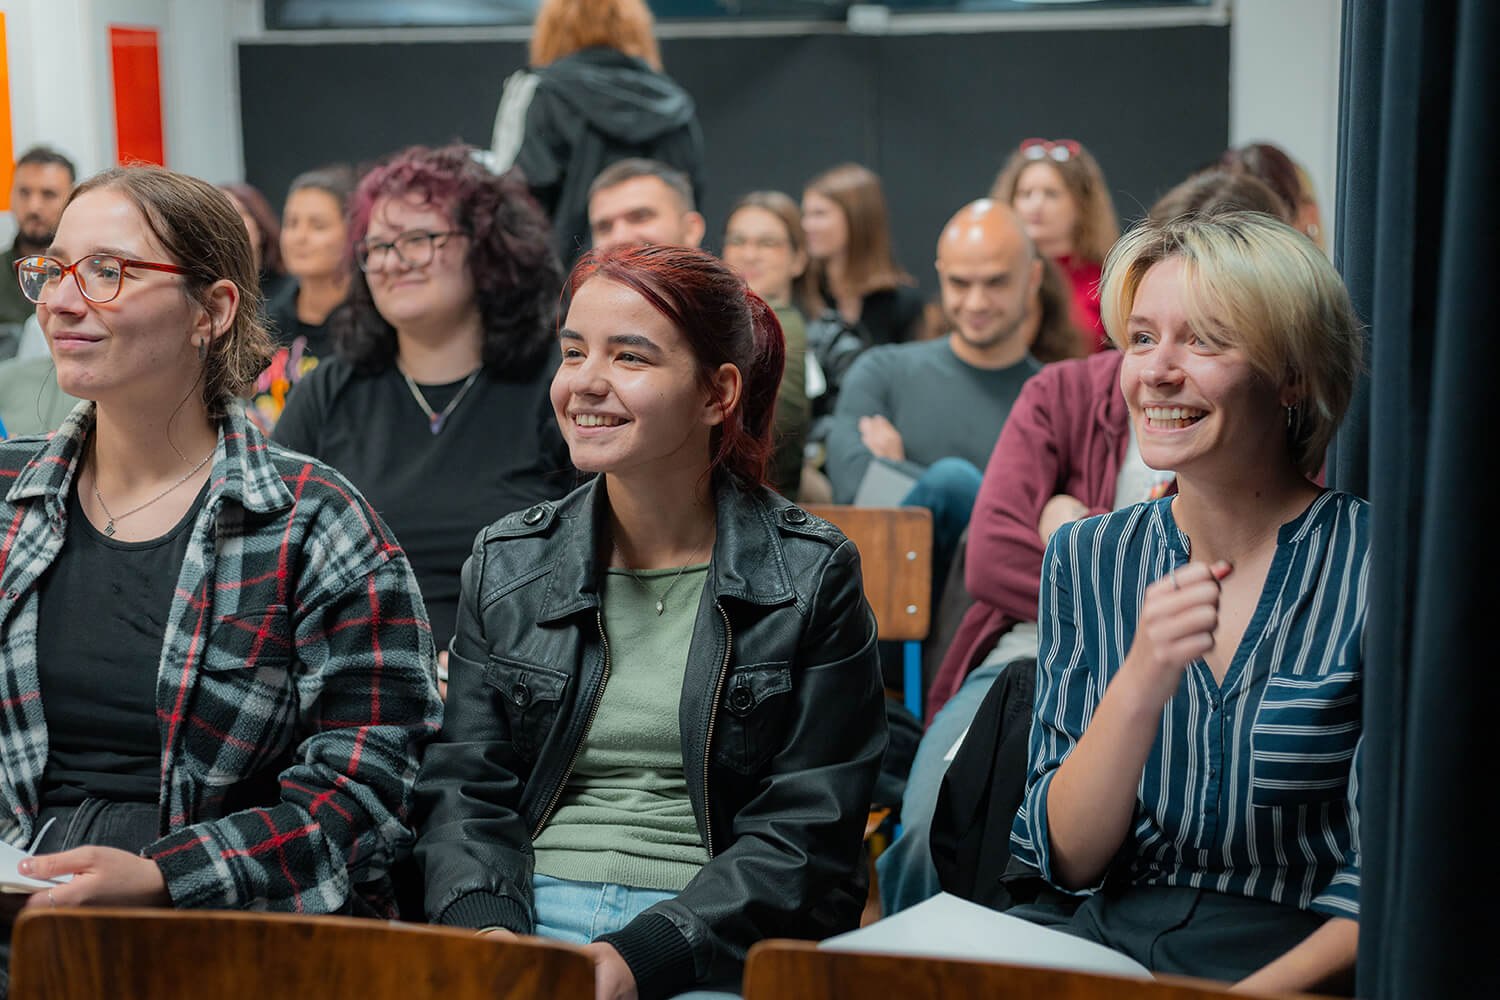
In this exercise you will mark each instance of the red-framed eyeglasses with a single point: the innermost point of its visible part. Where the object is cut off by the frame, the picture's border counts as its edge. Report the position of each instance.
(99, 276)
(1061, 150)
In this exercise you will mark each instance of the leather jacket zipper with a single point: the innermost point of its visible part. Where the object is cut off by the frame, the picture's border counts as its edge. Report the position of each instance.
(708, 820)
(578, 749)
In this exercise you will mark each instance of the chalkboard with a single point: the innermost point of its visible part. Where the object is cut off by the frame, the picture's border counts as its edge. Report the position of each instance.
(935, 115)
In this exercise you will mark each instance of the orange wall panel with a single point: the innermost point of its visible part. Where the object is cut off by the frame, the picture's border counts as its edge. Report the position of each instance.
(136, 64)
(7, 147)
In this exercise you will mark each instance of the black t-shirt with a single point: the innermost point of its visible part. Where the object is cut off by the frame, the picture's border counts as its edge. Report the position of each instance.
(499, 450)
(888, 315)
(102, 609)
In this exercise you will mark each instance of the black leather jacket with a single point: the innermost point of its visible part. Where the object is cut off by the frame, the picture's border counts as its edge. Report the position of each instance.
(782, 724)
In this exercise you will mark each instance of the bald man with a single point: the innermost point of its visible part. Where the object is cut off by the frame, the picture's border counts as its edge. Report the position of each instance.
(927, 414)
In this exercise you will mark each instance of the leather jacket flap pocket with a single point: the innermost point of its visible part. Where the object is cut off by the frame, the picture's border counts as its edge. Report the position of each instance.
(530, 695)
(750, 686)
(754, 716)
(1303, 739)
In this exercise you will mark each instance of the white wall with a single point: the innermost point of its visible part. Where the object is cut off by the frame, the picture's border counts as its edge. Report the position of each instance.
(1284, 85)
(62, 90)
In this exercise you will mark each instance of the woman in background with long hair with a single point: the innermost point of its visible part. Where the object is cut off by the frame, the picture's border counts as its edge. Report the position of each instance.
(854, 269)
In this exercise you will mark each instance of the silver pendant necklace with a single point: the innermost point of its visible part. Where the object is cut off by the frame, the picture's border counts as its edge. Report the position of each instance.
(435, 421)
(661, 599)
(109, 529)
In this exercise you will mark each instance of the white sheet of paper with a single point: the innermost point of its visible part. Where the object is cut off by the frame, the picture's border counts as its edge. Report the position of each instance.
(11, 879)
(946, 926)
(883, 485)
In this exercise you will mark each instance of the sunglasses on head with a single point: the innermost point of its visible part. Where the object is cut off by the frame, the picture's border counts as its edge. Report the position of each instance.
(1061, 150)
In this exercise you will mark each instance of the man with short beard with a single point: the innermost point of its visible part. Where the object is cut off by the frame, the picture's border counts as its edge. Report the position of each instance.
(42, 180)
(933, 409)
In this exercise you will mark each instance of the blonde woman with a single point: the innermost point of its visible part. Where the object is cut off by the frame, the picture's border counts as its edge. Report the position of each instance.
(594, 93)
(1192, 796)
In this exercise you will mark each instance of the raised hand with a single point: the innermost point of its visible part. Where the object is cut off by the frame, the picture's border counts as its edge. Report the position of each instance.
(1178, 617)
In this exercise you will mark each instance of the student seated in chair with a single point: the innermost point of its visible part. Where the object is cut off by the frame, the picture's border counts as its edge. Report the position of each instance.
(216, 672)
(665, 717)
(1067, 452)
(1192, 796)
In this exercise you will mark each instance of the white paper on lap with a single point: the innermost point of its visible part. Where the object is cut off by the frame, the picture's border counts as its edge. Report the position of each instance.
(946, 926)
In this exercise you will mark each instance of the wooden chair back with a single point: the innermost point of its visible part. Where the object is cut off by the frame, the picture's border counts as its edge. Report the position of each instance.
(131, 954)
(895, 555)
(799, 970)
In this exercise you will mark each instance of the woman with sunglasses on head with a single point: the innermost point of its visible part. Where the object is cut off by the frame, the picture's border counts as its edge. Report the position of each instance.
(1060, 193)
(764, 242)
(186, 671)
(436, 403)
(666, 715)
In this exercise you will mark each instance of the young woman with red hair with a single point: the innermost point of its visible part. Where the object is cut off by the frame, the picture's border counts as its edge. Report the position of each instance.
(665, 715)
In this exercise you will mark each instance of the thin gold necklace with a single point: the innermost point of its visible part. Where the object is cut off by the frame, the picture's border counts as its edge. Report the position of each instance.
(661, 599)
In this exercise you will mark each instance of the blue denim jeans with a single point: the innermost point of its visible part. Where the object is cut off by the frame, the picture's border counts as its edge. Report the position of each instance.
(907, 875)
(579, 912)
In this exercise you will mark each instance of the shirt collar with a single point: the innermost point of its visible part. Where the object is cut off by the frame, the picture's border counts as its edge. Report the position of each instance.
(242, 468)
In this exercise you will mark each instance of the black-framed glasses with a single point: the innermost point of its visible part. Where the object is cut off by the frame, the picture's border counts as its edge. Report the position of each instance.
(414, 249)
(99, 275)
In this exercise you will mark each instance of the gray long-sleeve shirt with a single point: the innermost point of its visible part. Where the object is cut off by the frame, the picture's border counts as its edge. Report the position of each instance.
(941, 406)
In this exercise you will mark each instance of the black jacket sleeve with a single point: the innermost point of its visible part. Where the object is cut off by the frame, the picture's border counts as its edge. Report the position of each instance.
(473, 846)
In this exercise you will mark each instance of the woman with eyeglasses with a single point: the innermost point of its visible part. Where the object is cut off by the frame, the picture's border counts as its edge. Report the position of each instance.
(853, 270)
(1060, 193)
(436, 402)
(188, 694)
(764, 243)
(314, 245)
(666, 715)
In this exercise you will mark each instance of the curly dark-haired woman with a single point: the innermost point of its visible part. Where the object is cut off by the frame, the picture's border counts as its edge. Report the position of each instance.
(436, 404)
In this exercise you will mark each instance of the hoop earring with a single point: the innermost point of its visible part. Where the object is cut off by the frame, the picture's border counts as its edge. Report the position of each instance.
(203, 349)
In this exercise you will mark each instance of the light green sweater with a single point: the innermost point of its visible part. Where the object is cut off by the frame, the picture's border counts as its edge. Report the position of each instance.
(625, 816)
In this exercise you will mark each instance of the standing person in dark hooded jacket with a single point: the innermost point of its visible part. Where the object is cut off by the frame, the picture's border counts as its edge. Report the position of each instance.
(593, 94)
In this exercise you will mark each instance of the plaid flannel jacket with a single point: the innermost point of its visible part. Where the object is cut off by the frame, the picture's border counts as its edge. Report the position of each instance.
(296, 686)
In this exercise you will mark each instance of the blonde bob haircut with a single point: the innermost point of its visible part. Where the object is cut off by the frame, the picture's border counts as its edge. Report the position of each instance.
(564, 27)
(1254, 283)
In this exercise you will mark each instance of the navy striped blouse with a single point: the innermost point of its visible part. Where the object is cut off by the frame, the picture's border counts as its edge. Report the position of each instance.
(1251, 785)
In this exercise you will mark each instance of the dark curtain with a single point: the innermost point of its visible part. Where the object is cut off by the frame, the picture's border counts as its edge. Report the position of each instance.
(1417, 223)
